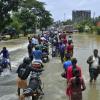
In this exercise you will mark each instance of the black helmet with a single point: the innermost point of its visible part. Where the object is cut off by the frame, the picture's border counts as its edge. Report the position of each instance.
(37, 48)
(26, 60)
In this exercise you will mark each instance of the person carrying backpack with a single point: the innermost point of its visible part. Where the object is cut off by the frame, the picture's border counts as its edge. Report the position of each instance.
(23, 72)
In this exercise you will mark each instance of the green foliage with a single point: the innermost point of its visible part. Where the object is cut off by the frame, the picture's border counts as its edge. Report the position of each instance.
(97, 19)
(19, 14)
(86, 26)
(80, 28)
(46, 20)
(68, 22)
(7, 6)
(98, 30)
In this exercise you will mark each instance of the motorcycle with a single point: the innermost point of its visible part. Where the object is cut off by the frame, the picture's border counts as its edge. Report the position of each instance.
(36, 65)
(4, 63)
(45, 57)
(34, 88)
(54, 51)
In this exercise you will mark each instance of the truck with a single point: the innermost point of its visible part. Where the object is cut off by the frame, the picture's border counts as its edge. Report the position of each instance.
(68, 29)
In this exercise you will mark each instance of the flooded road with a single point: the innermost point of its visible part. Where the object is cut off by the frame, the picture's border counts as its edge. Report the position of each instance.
(54, 84)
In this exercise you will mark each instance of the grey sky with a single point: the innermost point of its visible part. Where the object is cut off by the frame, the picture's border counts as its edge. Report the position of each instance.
(62, 9)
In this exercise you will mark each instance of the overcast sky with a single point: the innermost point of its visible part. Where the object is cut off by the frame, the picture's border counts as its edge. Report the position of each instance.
(62, 9)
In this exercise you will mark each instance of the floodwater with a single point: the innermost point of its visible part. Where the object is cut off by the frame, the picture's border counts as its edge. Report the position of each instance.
(54, 84)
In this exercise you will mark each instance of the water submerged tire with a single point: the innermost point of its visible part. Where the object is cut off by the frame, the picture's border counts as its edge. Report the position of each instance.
(34, 97)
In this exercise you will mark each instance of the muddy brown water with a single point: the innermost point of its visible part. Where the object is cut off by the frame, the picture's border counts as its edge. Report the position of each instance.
(54, 84)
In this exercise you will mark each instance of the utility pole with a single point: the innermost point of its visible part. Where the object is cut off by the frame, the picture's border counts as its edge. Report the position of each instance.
(64, 16)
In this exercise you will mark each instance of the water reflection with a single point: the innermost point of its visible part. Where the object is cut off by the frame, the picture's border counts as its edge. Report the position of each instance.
(93, 93)
(84, 45)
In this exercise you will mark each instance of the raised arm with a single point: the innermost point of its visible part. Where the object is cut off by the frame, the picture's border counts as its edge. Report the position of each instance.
(90, 60)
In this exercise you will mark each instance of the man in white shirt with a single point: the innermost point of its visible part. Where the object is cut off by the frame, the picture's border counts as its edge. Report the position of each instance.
(94, 63)
(35, 41)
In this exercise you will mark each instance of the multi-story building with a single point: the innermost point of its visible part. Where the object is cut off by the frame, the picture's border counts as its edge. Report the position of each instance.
(80, 15)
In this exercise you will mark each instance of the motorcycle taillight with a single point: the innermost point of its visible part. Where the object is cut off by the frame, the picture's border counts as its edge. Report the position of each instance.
(36, 65)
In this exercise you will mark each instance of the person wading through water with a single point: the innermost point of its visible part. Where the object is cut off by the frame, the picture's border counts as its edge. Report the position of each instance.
(94, 65)
(62, 51)
(76, 85)
(70, 73)
(23, 71)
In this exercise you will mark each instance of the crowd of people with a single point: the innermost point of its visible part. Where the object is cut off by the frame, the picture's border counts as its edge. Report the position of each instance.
(73, 72)
(62, 46)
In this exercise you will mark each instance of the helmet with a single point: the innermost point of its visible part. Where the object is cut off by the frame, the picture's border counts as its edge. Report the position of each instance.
(37, 48)
(26, 60)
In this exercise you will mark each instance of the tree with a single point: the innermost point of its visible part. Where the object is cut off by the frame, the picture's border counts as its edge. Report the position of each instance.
(98, 30)
(7, 6)
(46, 20)
(20, 15)
(27, 18)
(68, 22)
(43, 16)
(97, 19)
(86, 26)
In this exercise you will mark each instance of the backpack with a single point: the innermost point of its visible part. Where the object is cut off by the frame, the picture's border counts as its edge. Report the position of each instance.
(22, 72)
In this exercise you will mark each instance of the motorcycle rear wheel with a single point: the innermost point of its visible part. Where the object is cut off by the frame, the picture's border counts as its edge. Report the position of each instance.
(34, 97)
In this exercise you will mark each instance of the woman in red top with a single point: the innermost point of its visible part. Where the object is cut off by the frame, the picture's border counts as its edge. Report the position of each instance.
(70, 48)
(71, 69)
(70, 73)
(76, 85)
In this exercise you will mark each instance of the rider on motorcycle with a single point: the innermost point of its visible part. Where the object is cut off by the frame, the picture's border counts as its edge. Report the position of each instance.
(34, 87)
(37, 56)
(5, 56)
(23, 71)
